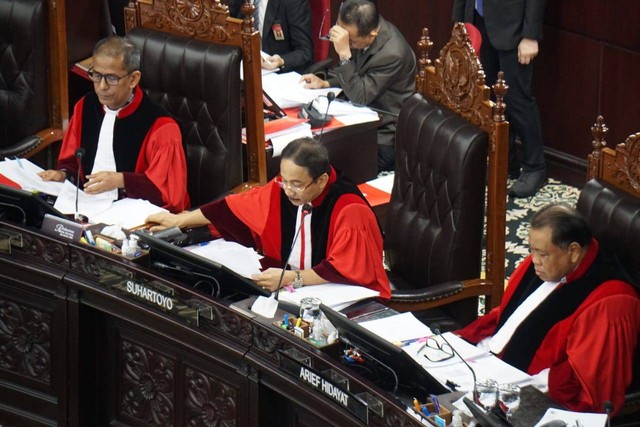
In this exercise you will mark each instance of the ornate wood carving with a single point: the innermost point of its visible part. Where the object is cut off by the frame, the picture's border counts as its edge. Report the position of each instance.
(209, 401)
(457, 80)
(25, 341)
(599, 131)
(628, 163)
(146, 391)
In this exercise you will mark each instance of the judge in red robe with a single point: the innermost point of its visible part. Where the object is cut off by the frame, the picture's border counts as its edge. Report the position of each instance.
(566, 316)
(338, 237)
(131, 145)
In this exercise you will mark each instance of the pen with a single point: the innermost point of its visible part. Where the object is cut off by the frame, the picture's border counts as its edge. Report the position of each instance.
(416, 405)
(436, 403)
(19, 162)
(405, 343)
(298, 322)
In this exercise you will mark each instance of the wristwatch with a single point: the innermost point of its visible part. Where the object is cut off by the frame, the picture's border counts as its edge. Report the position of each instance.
(297, 282)
(345, 61)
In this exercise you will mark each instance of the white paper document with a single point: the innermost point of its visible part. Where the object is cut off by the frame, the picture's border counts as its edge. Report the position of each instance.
(397, 328)
(287, 91)
(240, 259)
(574, 419)
(127, 213)
(25, 173)
(334, 295)
(89, 205)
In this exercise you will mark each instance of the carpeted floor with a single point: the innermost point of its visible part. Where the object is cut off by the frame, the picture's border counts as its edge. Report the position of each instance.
(519, 212)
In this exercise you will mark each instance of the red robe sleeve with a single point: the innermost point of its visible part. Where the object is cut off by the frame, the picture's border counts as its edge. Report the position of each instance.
(162, 162)
(70, 143)
(597, 365)
(354, 248)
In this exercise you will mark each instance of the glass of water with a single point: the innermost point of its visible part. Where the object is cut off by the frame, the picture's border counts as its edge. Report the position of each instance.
(486, 393)
(509, 398)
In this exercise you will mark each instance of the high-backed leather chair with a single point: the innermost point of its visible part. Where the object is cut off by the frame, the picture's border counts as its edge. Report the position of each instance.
(610, 203)
(33, 82)
(199, 84)
(191, 65)
(451, 145)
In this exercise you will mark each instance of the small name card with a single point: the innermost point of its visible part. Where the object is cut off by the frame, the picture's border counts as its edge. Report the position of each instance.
(62, 228)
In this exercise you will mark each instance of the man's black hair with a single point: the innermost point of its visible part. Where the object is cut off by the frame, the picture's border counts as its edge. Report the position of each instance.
(362, 13)
(566, 224)
(306, 152)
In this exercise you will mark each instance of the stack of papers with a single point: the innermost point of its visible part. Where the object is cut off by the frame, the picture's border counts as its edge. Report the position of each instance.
(282, 131)
(334, 295)
(25, 174)
(574, 419)
(287, 91)
(240, 259)
(346, 112)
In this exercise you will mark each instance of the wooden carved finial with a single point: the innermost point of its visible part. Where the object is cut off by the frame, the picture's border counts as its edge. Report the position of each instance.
(599, 131)
(248, 10)
(499, 90)
(424, 47)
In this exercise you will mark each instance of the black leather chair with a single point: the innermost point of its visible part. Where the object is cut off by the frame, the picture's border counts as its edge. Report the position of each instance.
(610, 203)
(33, 88)
(451, 145)
(199, 84)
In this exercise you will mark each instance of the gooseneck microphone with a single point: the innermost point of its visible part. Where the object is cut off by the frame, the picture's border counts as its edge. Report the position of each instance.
(79, 155)
(330, 97)
(306, 210)
(608, 409)
(435, 328)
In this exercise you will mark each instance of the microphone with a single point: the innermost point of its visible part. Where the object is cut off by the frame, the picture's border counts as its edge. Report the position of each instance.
(435, 327)
(79, 155)
(330, 97)
(306, 210)
(608, 409)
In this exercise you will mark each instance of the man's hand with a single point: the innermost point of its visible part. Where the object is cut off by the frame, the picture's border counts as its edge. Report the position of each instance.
(102, 181)
(53, 175)
(527, 50)
(340, 39)
(311, 81)
(272, 62)
(163, 220)
(270, 278)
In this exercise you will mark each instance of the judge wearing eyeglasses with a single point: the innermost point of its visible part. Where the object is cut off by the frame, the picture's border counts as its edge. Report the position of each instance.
(131, 145)
(338, 240)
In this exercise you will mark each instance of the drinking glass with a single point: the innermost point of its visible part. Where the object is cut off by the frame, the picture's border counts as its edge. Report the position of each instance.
(509, 398)
(310, 309)
(486, 393)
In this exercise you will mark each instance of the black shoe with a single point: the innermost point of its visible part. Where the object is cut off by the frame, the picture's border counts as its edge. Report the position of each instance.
(513, 174)
(528, 184)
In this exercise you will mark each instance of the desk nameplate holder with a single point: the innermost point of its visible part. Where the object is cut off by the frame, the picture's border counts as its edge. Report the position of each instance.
(62, 228)
(331, 384)
(9, 239)
(160, 296)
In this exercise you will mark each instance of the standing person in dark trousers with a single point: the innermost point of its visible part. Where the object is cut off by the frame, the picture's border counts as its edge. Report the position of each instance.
(511, 32)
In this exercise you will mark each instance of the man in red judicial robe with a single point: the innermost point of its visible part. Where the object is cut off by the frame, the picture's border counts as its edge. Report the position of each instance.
(132, 147)
(338, 240)
(566, 316)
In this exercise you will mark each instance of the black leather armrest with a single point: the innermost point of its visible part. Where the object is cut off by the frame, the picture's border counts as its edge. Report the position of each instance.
(432, 293)
(21, 147)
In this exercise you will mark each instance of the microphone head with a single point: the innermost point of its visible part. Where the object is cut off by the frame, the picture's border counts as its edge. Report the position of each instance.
(307, 208)
(435, 328)
(80, 153)
(608, 406)
(331, 96)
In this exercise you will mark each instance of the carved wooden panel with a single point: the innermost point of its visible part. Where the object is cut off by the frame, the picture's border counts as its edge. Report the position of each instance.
(209, 401)
(25, 341)
(146, 389)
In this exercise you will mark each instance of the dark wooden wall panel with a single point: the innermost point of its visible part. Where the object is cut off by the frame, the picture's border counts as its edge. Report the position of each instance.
(567, 95)
(620, 92)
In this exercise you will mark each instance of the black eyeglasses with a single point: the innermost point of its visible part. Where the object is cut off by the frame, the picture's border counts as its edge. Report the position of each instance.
(111, 79)
(435, 351)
